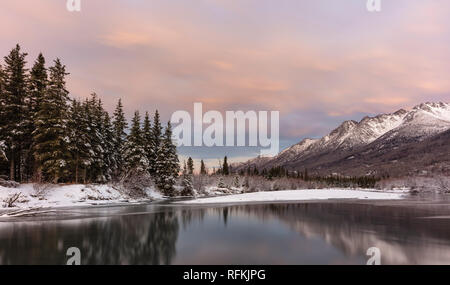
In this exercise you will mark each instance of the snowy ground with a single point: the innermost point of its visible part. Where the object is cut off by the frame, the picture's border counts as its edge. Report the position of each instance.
(301, 195)
(66, 196)
(34, 197)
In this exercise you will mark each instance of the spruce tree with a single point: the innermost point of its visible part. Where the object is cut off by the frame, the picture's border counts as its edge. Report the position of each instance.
(148, 139)
(14, 108)
(37, 86)
(190, 166)
(236, 182)
(220, 183)
(187, 184)
(3, 118)
(80, 144)
(203, 168)
(95, 127)
(51, 138)
(155, 141)
(119, 127)
(134, 154)
(109, 159)
(225, 168)
(167, 163)
(2, 151)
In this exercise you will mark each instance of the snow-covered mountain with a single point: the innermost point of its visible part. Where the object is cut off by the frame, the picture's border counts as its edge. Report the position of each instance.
(423, 121)
(351, 139)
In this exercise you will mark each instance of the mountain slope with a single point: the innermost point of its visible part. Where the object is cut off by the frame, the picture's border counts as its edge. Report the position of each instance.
(359, 147)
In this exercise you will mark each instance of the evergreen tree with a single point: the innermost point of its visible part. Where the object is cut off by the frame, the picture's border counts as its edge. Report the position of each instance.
(109, 159)
(95, 127)
(187, 183)
(134, 153)
(14, 108)
(190, 166)
(37, 86)
(203, 168)
(2, 151)
(80, 145)
(236, 182)
(148, 139)
(225, 168)
(167, 163)
(50, 137)
(221, 183)
(119, 127)
(3, 118)
(156, 142)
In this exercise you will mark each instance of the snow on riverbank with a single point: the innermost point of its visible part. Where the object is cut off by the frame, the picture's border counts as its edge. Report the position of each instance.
(300, 195)
(32, 196)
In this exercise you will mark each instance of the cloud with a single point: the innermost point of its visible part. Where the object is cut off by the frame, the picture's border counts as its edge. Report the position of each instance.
(315, 62)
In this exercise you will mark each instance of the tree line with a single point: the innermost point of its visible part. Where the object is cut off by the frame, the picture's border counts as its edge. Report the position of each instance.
(46, 136)
(330, 180)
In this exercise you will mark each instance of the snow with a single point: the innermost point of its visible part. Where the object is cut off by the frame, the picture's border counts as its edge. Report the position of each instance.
(301, 195)
(423, 120)
(57, 196)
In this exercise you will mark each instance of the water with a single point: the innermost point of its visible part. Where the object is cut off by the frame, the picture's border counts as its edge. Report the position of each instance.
(339, 232)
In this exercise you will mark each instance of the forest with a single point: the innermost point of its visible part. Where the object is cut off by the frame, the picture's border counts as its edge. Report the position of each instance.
(47, 136)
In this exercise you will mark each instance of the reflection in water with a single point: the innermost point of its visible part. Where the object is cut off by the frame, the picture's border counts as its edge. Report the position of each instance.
(405, 235)
(307, 233)
(136, 239)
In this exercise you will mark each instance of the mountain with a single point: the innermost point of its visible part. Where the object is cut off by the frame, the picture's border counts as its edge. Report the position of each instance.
(375, 145)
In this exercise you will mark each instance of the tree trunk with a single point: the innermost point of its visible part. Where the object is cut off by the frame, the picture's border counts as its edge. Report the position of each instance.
(12, 169)
(76, 170)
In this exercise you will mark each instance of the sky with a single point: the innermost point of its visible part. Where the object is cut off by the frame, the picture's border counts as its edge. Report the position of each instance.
(317, 62)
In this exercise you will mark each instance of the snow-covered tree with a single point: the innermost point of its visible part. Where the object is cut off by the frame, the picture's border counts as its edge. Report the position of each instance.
(147, 138)
(109, 157)
(91, 141)
(236, 182)
(221, 183)
(119, 127)
(187, 184)
(95, 122)
(134, 154)
(155, 142)
(51, 138)
(167, 163)
(2, 151)
(37, 86)
(14, 108)
(3, 118)
(190, 166)
(80, 144)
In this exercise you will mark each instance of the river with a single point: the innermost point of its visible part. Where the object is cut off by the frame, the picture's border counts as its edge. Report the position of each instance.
(411, 231)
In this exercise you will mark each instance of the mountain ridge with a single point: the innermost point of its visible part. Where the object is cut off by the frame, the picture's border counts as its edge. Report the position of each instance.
(371, 136)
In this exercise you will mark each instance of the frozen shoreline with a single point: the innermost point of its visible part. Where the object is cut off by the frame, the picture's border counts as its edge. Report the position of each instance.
(301, 195)
(62, 196)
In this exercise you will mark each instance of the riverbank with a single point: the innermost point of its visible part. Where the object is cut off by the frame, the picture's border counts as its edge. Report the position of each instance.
(35, 196)
(30, 197)
(301, 195)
